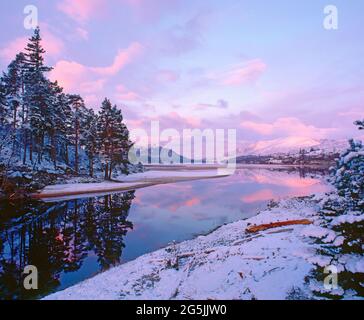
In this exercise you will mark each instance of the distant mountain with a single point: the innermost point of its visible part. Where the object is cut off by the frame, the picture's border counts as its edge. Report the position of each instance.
(292, 145)
(155, 154)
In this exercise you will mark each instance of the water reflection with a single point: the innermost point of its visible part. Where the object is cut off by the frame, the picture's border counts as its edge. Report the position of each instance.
(58, 238)
(72, 240)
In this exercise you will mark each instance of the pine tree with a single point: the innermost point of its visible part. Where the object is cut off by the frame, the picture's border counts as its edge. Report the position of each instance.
(348, 176)
(89, 138)
(40, 119)
(121, 143)
(63, 125)
(78, 114)
(113, 137)
(104, 134)
(3, 105)
(14, 87)
(36, 93)
(34, 55)
(57, 126)
(346, 219)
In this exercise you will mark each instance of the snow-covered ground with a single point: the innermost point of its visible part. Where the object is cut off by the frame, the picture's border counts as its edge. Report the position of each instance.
(229, 263)
(122, 183)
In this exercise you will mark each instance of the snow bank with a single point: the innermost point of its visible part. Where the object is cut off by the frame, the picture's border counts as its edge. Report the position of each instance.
(348, 218)
(121, 183)
(76, 190)
(226, 264)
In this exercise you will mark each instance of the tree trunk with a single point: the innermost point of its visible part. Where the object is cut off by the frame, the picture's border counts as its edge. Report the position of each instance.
(106, 171)
(76, 146)
(14, 124)
(91, 166)
(110, 167)
(25, 148)
(67, 157)
(31, 149)
(14, 116)
(53, 150)
(39, 150)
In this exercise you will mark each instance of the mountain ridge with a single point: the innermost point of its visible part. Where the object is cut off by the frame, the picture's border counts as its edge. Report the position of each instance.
(292, 145)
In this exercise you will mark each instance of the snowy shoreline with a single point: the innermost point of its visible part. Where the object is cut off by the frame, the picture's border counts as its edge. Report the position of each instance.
(155, 175)
(122, 183)
(229, 263)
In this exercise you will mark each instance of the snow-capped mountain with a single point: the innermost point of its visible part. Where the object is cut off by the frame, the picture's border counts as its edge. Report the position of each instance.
(292, 145)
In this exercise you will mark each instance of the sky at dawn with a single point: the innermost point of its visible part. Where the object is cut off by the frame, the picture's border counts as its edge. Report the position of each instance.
(266, 68)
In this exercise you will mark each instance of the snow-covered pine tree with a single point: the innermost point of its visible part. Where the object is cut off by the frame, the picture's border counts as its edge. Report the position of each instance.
(40, 119)
(126, 144)
(3, 105)
(120, 137)
(34, 54)
(89, 138)
(14, 85)
(79, 112)
(348, 175)
(343, 213)
(5, 139)
(113, 138)
(63, 125)
(36, 94)
(104, 134)
(57, 126)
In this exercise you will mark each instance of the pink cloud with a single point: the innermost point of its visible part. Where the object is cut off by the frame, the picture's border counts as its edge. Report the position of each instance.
(177, 121)
(69, 74)
(248, 72)
(261, 128)
(52, 45)
(288, 126)
(11, 49)
(123, 94)
(172, 120)
(355, 113)
(149, 11)
(92, 86)
(81, 10)
(76, 77)
(220, 104)
(184, 37)
(123, 58)
(167, 76)
(91, 99)
(82, 33)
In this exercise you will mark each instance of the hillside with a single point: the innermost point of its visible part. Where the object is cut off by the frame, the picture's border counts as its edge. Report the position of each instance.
(292, 145)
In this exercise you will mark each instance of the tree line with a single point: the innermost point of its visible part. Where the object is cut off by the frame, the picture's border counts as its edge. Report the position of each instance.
(39, 121)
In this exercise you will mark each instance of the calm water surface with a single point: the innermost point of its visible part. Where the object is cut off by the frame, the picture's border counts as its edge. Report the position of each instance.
(73, 240)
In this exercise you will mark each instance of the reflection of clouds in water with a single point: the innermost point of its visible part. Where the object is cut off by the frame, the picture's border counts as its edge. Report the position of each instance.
(178, 211)
(247, 185)
(204, 202)
(261, 195)
(281, 178)
(194, 201)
